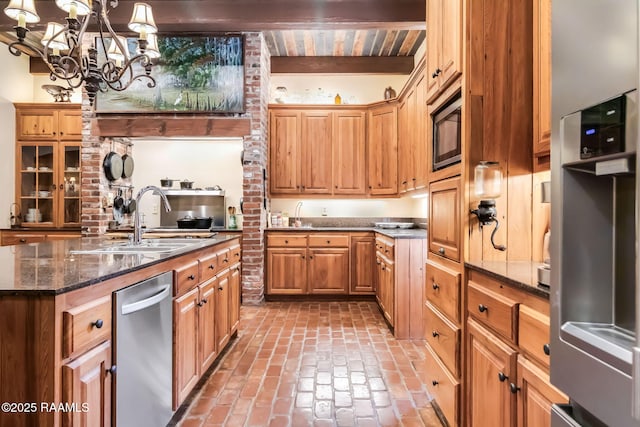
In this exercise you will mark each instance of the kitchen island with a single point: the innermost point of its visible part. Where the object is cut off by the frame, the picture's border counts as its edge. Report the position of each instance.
(56, 322)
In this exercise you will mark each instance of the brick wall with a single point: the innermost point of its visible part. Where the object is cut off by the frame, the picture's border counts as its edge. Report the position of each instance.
(95, 186)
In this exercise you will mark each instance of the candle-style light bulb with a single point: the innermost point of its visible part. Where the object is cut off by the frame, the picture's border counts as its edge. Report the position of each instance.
(73, 10)
(22, 20)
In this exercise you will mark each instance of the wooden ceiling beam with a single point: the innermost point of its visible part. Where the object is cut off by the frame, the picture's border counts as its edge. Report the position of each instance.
(342, 65)
(197, 16)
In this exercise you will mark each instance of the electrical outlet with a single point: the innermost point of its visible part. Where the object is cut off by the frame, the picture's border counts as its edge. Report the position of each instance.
(154, 210)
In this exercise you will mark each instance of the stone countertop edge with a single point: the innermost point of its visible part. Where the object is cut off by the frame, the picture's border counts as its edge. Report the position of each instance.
(66, 286)
(519, 274)
(396, 233)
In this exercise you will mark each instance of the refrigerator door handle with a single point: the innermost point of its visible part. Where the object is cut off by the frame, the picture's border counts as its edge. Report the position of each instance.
(635, 384)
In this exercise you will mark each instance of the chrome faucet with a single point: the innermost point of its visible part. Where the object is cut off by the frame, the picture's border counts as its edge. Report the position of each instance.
(296, 220)
(137, 228)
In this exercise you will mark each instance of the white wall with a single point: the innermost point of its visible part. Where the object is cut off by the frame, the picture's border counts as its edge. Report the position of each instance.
(207, 162)
(401, 207)
(41, 95)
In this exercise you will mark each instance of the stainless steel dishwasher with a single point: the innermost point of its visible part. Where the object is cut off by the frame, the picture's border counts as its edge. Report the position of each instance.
(143, 352)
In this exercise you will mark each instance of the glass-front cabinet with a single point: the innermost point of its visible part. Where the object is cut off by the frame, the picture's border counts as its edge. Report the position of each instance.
(49, 171)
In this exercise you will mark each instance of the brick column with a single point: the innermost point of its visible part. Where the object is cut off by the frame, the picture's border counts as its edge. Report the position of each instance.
(257, 72)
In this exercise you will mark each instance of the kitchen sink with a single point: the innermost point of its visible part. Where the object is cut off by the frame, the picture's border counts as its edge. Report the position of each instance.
(154, 246)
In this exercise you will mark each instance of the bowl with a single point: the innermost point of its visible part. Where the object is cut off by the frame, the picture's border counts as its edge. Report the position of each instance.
(186, 185)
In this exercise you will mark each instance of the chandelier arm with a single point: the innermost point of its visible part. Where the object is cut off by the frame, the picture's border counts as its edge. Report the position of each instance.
(115, 37)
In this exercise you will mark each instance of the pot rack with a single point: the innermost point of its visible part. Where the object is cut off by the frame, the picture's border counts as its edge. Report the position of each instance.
(125, 186)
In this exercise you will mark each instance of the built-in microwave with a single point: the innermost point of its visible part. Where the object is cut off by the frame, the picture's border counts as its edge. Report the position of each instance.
(446, 121)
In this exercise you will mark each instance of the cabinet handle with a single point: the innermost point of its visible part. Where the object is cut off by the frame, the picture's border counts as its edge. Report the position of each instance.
(111, 370)
(23, 240)
(383, 267)
(441, 251)
(502, 377)
(98, 323)
(434, 383)
(378, 261)
(211, 267)
(52, 133)
(237, 254)
(303, 188)
(310, 256)
(546, 349)
(204, 300)
(53, 186)
(286, 242)
(302, 256)
(61, 133)
(414, 179)
(404, 182)
(238, 268)
(191, 277)
(514, 388)
(435, 334)
(328, 242)
(61, 187)
(435, 286)
(221, 288)
(436, 73)
(482, 308)
(200, 304)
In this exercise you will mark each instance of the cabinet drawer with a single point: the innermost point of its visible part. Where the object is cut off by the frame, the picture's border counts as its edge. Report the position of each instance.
(385, 245)
(208, 266)
(235, 254)
(286, 240)
(442, 386)
(9, 239)
(86, 325)
(328, 241)
(443, 289)
(185, 278)
(444, 337)
(533, 334)
(494, 310)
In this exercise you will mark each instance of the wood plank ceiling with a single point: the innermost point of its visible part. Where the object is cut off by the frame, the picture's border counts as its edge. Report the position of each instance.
(379, 35)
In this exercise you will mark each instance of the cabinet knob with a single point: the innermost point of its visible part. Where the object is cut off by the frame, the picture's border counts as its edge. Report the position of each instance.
(97, 324)
(546, 349)
(378, 261)
(482, 308)
(435, 286)
(191, 277)
(502, 377)
(441, 251)
(221, 288)
(211, 267)
(61, 187)
(200, 304)
(435, 334)
(204, 300)
(404, 182)
(111, 370)
(61, 133)
(310, 256)
(328, 242)
(225, 260)
(436, 73)
(23, 240)
(302, 256)
(286, 242)
(514, 388)
(238, 268)
(434, 383)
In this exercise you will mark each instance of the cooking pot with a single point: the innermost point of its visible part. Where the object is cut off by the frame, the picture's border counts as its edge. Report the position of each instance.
(113, 166)
(190, 222)
(127, 166)
(166, 182)
(186, 184)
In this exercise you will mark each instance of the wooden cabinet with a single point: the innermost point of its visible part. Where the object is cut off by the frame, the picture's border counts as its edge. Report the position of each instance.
(349, 161)
(400, 284)
(535, 395)
(491, 365)
(207, 345)
(363, 271)
(48, 164)
(444, 219)
(301, 264)
(317, 151)
(412, 138)
(383, 150)
(541, 84)
(223, 327)
(444, 44)
(185, 343)
(235, 294)
(86, 382)
(14, 237)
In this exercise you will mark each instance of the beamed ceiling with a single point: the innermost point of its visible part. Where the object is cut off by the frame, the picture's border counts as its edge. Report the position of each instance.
(372, 36)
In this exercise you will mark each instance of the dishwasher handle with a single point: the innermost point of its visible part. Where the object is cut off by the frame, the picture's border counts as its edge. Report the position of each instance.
(147, 302)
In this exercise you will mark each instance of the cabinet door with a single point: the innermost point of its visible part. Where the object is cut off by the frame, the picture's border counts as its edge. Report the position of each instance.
(286, 271)
(535, 395)
(317, 174)
(388, 294)
(434, 45)
(284, 152)
(420, 139)
(451, 51)
(185, 345)
(491, 366)
(328, 271)
(36, 183)
(70, 125)
(541, 77)
(207, 324)
(234, 298)
(69, 181)
(444, 219)
(383, 151)
(36, 124)
(404, 146)
(363, 253)
(86, 381)
(222, 311)
(349, 152)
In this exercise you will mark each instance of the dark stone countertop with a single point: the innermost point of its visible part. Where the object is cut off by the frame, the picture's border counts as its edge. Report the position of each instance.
(48, 268)
(520, 274)
(396, 233)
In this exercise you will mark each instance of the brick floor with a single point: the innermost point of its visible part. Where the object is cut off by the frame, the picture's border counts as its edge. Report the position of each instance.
(314, 364)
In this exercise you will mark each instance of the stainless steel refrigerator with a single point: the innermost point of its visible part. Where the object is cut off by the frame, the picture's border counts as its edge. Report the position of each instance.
(594, 269)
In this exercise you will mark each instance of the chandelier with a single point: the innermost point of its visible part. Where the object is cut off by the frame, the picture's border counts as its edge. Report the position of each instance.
(65, 57)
